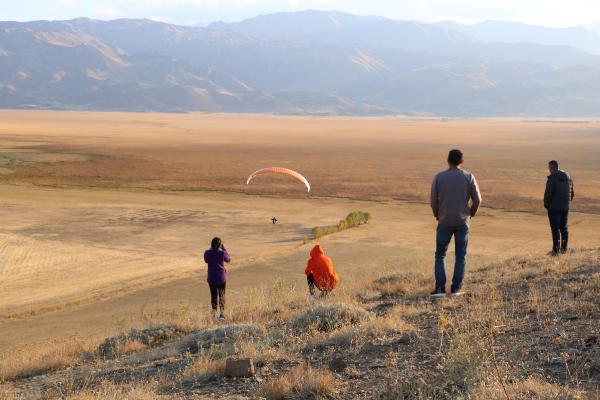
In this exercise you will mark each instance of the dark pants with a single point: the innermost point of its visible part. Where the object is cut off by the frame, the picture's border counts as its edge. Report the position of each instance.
(217, 295)
(560, 229)
(312, 285)
(461, 240)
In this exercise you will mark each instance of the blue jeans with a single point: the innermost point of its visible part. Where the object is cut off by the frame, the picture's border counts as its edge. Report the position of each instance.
(559, 221)
(442, 240)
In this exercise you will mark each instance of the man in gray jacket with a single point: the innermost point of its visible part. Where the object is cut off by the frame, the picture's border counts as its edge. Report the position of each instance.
(557, 200)
(451, 192)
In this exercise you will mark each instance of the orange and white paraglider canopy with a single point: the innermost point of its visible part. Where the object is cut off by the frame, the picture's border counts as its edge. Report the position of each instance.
(277, 170)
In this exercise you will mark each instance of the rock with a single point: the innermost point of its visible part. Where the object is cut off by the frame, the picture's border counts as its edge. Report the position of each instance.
(404, 339)
(338, 364)
(557, 361)
(591, 340)
(243, 368)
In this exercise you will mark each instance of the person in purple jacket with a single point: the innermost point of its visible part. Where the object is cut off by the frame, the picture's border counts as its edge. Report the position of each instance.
(216, 257)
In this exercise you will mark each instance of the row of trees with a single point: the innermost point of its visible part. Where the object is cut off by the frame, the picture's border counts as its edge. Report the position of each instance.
(352, 220)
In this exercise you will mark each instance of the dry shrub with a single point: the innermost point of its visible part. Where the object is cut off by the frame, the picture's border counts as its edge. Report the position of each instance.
(8, 393)
(229, 334)
(329, 317)
(204, 369)
(110, 391)
(529, 389)
(414, 387)
(401, 285)
(467, 362)
(34, 361)
(301, 382)
(354, 338)
(147, 337)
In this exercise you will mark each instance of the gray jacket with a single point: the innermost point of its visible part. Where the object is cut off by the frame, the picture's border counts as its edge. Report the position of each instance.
(451, 191)
(559, 191)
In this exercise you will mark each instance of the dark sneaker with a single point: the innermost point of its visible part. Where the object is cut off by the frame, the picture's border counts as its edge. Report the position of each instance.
(438, 292)
(554, 253)
(222, 317)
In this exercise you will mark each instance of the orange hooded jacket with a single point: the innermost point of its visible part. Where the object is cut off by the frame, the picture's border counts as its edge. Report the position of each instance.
(322, 269)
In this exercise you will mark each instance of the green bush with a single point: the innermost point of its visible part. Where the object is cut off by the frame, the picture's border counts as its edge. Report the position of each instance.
(352, 220)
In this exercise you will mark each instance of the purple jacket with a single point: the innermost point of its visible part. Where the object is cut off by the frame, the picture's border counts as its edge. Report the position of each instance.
(216, 259)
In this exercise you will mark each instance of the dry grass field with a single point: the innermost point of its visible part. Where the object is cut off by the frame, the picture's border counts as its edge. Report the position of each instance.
(105, 217)
(364, 158)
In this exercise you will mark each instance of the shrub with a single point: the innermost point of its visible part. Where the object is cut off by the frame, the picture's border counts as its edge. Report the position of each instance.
(126, 342)
(401, 285)
(328, 318)
(531, 388)
(221, 335)
(467, 360)
(352, 220)
(301, 382)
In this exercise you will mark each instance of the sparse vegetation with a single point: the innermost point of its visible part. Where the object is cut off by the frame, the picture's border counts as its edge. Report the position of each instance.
(352, 220)
(328, 318)
(393, 346)
(228, 334)
(301, 382)
(138, 339)
(42, 359)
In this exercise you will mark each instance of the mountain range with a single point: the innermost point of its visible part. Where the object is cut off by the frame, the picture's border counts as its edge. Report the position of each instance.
(310, 62)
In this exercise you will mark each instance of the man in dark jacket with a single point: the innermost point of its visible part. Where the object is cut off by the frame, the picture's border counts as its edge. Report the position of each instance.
(557, 199)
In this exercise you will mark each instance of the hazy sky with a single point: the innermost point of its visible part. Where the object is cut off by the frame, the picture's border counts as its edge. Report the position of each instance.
(543, 12)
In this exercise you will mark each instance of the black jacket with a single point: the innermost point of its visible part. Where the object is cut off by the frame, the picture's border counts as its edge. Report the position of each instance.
(559, 191)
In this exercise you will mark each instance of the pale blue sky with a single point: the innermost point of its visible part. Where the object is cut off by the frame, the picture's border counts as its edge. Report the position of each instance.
(542, 12)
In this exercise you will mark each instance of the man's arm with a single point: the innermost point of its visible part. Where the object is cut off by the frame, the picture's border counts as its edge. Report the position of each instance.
(548, 193)
(433, 198)
(475, 195)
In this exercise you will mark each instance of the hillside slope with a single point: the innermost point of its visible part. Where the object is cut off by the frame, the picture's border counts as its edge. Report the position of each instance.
(527, 329)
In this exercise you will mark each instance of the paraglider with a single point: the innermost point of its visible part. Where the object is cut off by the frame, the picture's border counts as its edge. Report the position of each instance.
(277, 170)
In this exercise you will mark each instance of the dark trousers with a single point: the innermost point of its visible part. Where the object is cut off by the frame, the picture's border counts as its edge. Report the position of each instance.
(442, 240)
(560, 229)
(217, 296)
(312, 285)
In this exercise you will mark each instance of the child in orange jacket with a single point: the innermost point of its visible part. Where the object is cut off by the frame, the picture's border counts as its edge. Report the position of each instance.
(320, 272)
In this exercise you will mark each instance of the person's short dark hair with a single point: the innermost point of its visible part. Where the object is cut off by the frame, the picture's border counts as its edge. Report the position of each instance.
(553, 164)
(215, 244)
(455, 157)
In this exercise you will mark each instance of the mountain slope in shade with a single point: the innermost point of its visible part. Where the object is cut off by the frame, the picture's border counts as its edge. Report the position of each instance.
(57, 65)
(344, 64)
(449, 39)
(512, 32)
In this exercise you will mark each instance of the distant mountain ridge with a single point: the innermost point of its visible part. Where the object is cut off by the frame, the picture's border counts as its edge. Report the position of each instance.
(310, 62)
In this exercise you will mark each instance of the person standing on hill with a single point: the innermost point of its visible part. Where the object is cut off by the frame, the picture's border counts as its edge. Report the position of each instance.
(451, 192)
(557, 200)
(216, 257)
(320, 273)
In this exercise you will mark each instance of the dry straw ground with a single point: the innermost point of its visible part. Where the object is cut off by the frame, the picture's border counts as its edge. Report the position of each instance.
(500, 341)
(105, 217)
